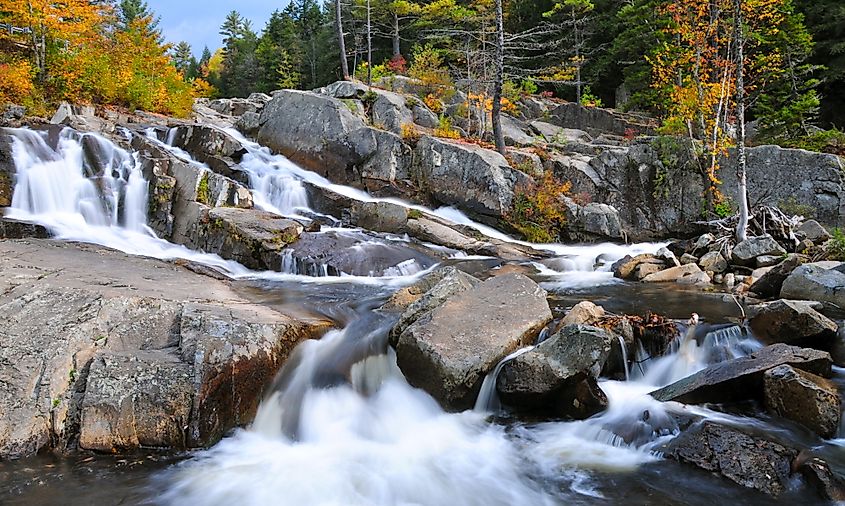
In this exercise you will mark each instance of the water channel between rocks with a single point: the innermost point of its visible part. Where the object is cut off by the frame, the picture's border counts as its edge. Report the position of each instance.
(341, 425)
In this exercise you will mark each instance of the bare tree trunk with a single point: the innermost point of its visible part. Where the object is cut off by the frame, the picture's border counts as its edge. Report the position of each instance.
(742, 191)
(397, 51)
(498, 135)
(369, 47)
(338, 13)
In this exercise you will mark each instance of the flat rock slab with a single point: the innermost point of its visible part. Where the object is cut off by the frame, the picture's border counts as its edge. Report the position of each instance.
(120, 351)
(448, 352)
(742, 378)
(747, 460)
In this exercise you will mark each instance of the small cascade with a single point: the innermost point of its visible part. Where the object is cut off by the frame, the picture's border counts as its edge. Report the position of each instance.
(488, 400)
(85, 180)
(623, 349)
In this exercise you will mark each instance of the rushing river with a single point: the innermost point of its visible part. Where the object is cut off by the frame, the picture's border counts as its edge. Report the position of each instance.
(365, 436)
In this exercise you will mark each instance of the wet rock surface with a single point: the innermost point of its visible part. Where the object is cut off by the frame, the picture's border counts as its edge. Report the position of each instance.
(745, 459)
(559, 375)
(110, 350)
(449, 351)
(808, 399)
(742, 378)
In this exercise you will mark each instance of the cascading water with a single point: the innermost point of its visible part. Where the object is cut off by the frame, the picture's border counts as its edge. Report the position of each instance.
(341, 425)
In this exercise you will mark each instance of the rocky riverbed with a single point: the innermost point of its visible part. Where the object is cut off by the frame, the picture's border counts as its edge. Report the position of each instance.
(235, 324)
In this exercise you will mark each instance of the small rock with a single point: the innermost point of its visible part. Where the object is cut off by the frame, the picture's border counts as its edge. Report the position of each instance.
(673, 274)
(626, 267)
(686, 258)
(583, 313)
(791, 322)
(703, 242)
(768, 260)
(748, 250)
(817, 472)
(730, 280)
(805, 398)
(813, 231)
(668, 257)
(713, 261)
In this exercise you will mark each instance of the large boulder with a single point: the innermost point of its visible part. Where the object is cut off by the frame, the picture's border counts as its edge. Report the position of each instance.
(741, 457)
(656, 185)
(748, 250)
(713, 261)
(792, 322)
(7, 170)
(599, 221)
(556, 134)
(772, 175)
(515, 132)
(770, 283)
(808, 399)
(468, 176)
(597, 121)
(323, 134)
(250, 237)
(448, 352)
(442, 284)
(813, 231)
(559, 375)
(358, 253)
(118, 352)
(810, 282)
(389, 110)
(742, 378)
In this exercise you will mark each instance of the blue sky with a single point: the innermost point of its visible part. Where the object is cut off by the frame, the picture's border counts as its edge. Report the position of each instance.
(198, 22)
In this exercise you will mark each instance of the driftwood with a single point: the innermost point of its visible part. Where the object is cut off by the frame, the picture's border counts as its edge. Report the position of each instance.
(762, 220)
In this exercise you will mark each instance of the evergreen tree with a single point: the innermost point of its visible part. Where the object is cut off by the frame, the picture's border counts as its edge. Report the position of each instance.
(182, 57)
(826, 22)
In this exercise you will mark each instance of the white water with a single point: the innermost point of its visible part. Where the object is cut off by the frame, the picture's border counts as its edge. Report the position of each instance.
(369, 438)
(487, 398)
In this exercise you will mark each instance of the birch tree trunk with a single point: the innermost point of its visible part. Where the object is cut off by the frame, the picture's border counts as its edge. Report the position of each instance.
(498, 135)
(338, 14)
(369, 46)
(742, 190)
(397, 50)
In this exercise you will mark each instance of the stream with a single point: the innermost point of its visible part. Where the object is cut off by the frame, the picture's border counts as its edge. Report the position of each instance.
(340, 425)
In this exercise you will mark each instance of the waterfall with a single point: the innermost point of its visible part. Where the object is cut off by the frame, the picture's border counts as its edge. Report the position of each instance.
(624, 351)
(488, 400)
(99, 184)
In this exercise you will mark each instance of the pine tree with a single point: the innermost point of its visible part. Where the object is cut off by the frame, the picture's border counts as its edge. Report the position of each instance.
(182, 57)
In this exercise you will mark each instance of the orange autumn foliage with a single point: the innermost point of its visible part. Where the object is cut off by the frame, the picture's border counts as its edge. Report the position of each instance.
(76, 52)
(15, 82)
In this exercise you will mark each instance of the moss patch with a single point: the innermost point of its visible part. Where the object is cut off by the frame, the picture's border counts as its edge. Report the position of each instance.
(203, 193)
